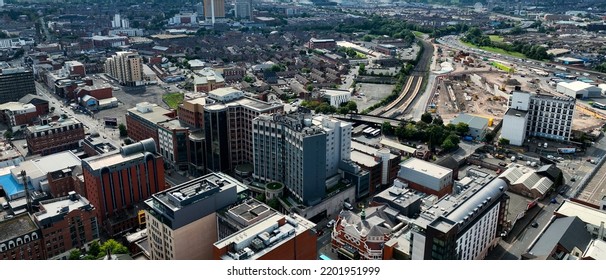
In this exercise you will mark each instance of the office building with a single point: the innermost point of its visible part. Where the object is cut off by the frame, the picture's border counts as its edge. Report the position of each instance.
(426, 177)
(67, 222)
(382, 165)
(173, 140)
(291, 150)
(16, 114)
(464, 226)
(126, 67)
(228, 128)
(196, 155)
(21, 239)
(53, 137)
(142, 121)
(245, 214)
(336, 97)
(182, 220)
(541, 115)
(214, 9)
(117, 182)
(191, 112)
(243, 9)
(338, 141)
(278, 237)
(16, 83)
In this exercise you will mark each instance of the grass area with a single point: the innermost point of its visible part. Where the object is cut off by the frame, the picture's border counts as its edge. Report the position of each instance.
(173, 99)
(496, 38)
(495, 50)
(273, 186)
(418, 34)
(360, 55)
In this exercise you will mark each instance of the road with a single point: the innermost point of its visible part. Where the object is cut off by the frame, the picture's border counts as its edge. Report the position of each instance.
(90, 123)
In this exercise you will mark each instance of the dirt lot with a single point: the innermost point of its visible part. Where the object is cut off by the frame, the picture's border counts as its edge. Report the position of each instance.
(469, 99)
(371, 94)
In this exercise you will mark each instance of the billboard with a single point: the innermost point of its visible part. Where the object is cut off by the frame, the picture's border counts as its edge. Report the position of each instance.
(109, 121)
(567, 150)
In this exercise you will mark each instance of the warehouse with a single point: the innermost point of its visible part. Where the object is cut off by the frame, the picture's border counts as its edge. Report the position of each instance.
(579, 89)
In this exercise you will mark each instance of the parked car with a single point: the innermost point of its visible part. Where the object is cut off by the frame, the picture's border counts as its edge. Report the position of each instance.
(502, 164)
(331, 223)
(534, 225)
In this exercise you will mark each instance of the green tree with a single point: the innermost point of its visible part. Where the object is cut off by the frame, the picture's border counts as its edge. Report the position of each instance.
(343, 110)
(352, 106)
(95, 248)
(367, 38)
(249, 79)
(426, 118)
(122, 129)
(8, 134)
(447, 145)
(362, 69)
(310, 88)
(387, 128)
(74, 254)
(503, 141)
(462, 128)
(113, 246)
(438, 121)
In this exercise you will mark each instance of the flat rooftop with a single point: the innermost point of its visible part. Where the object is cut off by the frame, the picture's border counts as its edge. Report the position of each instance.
(16, 226)
(473, 121)
(516, 113)
(425, 167)
(155, 115)
(264, 236)
(363, 159)
(587, 214)
(60, 206)
(254, 104)
(60, 123)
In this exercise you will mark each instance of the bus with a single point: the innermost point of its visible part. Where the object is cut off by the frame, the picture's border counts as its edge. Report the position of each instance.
(375, 133)
(598, 105)
(324, 258)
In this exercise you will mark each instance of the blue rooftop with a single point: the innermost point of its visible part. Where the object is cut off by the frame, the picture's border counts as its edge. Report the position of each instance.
(10, 186)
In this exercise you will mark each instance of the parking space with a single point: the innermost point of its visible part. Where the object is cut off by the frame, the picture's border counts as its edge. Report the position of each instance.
(371, 94)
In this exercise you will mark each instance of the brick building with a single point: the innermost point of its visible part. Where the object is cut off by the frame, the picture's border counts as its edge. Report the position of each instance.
(426, 177)
(41, 104)
(191, 112)
(15, 114)
(96, 91)
(68, 222)
(234, 74)
(53, 137)
(278, 237)
(207, 79)
(322, 44)
(116, 182)
(142, 121)
(62, 182)
(362, 237)
(21, 239)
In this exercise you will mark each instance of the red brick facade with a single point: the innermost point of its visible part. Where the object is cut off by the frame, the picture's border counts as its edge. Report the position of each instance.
(77, 228)
(56, 139)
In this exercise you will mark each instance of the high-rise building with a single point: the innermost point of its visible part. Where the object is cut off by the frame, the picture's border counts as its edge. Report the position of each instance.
(126, 67)
(228, 128)
(117, 182)
(243, 9)
(214, 9)
(173, 140)
(464, 226)
(53, 137)
(182, 220)
(66, 223)
(15, 83)
(338, 142)
(291, 150)
(540, 115)
(21, 239)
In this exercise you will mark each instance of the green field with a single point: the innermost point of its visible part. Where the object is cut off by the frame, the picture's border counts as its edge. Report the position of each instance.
(418, 34)
(496, 38)
(495, 50)
(173, 99)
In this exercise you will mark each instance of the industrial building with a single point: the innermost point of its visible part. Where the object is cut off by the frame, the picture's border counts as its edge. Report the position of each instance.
(478, 126)
(578, 89)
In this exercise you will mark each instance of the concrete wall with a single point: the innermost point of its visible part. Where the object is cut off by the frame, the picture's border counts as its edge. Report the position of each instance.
(195, 241)
(514, 129)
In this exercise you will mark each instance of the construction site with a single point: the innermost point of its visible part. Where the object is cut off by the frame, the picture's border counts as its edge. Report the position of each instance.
(482, 88)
